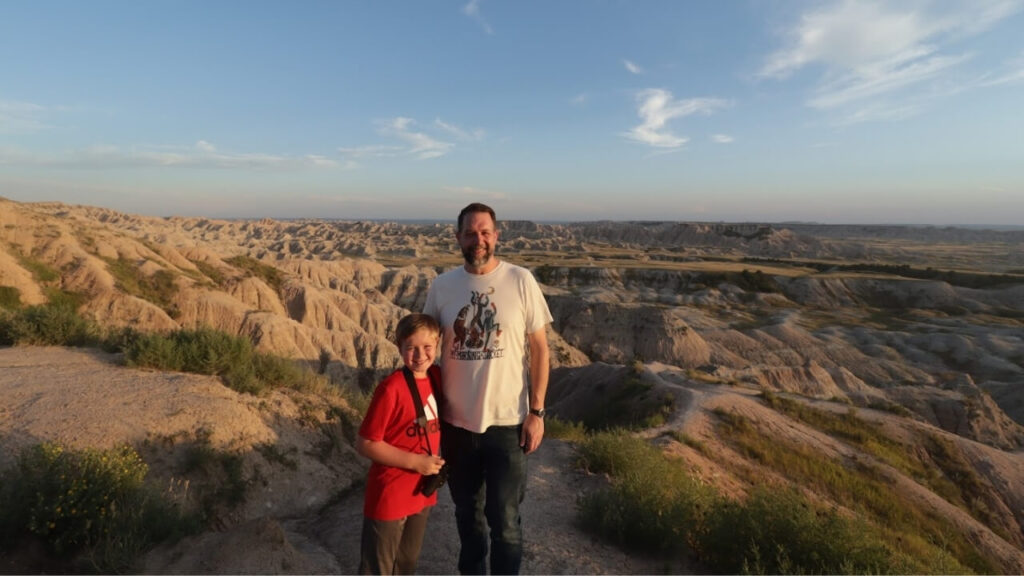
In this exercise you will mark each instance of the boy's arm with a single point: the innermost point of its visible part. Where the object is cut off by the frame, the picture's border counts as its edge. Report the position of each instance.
(383, 453)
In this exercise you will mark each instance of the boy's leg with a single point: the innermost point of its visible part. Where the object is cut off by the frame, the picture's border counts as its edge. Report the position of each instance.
(379, 546)
(506, 486)
(412, 541)
(466, 484)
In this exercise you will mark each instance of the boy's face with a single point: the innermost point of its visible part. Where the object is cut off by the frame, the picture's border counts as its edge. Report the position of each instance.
(418, 351)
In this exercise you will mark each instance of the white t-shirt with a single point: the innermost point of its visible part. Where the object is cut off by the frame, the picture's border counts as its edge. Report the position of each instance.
(485, 320)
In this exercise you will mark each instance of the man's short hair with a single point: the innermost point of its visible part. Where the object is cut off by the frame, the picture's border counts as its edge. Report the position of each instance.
(412, 324)
(476, 207)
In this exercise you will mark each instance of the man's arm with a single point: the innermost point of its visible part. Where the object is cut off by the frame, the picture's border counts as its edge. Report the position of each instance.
(533, 427)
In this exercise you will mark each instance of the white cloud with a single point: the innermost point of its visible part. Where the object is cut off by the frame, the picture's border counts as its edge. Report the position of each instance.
(204, 146)
(203, 157)
(461, 134)
(420, 144)
(722, 138)
(379, 150)
(1012, 73)
(633, 68)
(472, 9)
(657, 107)
(882, 56)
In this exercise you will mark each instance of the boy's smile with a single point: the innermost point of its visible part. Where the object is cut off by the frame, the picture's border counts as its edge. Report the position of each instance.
(418, 351)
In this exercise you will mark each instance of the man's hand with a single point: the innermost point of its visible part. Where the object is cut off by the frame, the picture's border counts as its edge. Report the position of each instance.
(533, 433)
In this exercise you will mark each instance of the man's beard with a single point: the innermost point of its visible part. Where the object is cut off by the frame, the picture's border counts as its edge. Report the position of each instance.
(470, 255)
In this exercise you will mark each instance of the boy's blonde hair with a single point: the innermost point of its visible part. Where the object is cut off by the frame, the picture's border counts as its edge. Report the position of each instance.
(412, 324)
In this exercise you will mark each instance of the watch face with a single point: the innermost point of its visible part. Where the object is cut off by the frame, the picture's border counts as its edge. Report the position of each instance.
(540, 412)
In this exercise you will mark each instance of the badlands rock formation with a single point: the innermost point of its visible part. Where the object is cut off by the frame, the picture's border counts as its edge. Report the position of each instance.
(679, 316)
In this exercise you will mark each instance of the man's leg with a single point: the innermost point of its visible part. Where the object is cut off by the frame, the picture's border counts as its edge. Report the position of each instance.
(460, 449)
(506, 485)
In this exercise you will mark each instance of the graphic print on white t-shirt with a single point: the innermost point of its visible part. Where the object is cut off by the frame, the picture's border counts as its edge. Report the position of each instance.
(477, 331)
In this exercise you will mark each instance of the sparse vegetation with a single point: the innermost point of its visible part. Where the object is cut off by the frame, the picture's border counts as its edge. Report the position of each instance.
(272, 276)
(47, 325)
(226, 484)
(10, 298)
(858, 486)
(210, 271)
(40, 272)
(654, 505)
(207, 351)
(90, 508)
(159, 288)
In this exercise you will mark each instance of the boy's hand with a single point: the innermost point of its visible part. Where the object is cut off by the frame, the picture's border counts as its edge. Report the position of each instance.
(427, 464)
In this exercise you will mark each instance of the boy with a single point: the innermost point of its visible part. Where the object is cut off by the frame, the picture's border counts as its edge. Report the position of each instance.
(403, 452)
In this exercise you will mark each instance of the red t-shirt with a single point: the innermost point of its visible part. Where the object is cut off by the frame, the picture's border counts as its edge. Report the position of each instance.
(391, 492)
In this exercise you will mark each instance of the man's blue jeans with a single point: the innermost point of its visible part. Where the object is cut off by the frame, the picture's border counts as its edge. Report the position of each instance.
(487, 480)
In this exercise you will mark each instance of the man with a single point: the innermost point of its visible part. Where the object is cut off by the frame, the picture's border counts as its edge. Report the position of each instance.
(493, 316)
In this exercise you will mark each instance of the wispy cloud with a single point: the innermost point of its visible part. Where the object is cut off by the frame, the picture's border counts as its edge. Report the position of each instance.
(881, 60)
(21, 117)
(722, 139)
(420, 144)
(1012, 73)
(656, 107)
(200, 155)
(460, 133)
(579, 99)
(632, 67)
(472, 9)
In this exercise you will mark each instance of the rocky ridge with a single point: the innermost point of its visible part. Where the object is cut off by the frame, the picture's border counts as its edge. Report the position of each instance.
(678, 298)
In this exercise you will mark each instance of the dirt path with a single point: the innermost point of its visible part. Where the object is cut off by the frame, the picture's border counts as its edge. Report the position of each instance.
(553, 543)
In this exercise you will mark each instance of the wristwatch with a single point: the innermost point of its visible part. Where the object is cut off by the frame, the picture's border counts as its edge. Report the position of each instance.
(538, 413)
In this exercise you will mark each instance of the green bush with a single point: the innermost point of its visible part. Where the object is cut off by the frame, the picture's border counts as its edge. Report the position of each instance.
(555, 427)
(10, 298)
(652, 504)
(90, 505)
(778, 531)
(47, 325)
(208, 351)
(202, 351)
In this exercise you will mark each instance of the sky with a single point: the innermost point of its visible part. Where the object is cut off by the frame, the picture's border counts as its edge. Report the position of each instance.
(838, 111)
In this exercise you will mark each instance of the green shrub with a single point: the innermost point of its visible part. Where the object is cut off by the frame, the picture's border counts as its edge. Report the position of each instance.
(10, 298)
(652, 504)
(555, 427)
(778, 531)
(88, 504)
(47, 325)
(202, 351)
(208, 351)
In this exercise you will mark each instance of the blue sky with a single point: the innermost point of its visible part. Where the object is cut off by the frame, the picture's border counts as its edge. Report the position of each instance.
(761, 110)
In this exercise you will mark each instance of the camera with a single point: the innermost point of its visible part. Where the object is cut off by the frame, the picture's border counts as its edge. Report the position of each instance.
(430, 484)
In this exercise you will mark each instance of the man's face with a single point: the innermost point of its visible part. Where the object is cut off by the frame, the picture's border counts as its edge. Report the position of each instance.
(477, 239)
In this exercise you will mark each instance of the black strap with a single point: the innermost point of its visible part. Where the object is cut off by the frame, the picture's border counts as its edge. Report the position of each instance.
(421, 416)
